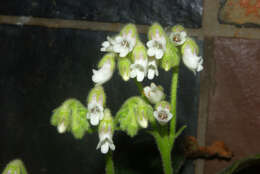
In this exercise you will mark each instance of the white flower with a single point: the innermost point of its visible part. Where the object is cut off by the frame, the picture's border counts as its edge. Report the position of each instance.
(178, 37)
(154, 94)
(95, 110)
(152, 69)
(105, 140)
(124, 44)
(156, 46)
(61, 128)
(142, 121)
(138, 69)
(162, 115)
(191, 60)
(103, 74)
(107, 46)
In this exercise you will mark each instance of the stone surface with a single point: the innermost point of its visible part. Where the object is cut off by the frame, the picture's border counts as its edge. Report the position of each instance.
(167, 12)
(234, 99)
(240, 12)
(40, 68)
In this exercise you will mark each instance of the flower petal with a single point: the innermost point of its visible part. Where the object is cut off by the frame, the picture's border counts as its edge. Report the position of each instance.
(94, 120)
(151, 74)
(104, 148)
(158, 54)
(151, 52)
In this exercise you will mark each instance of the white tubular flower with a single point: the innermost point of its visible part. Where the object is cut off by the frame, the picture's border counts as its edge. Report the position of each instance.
(162, 113)
(124, 44)
(107, 46)
(178, 35)
(139, 69)
(106, 69)
(102, 75)
(178, 38)
(96, 102)
(153, 93)
(95, 111)
(152, 69)
(156, 46)
(105, 132)
(105, 141)
(191, 60)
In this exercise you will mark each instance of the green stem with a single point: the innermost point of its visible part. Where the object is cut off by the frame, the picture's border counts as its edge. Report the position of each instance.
(174, 87)
(109, 163)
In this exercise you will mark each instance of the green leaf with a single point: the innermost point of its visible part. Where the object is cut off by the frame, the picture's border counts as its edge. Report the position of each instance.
(241, 164)
(180, 131)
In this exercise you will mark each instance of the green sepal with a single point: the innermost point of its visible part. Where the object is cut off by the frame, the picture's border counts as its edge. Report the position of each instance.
(80, 125)
(109, 57)
(124, 68)
(107, 122)
(154, 29)
(163, 104)
(62, 114)
(190, 43)
(130, 111)
(178, 28)
(130, 28)
(15, 167)
(171, 57)
(99, 93)
(72, 114)
(139, 51)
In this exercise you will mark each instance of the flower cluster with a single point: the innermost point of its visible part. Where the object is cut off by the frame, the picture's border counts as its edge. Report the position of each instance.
(136, 60)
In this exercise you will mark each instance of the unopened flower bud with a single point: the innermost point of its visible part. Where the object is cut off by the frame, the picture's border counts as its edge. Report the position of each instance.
(15, 167)
(154, 93)
(124, 68)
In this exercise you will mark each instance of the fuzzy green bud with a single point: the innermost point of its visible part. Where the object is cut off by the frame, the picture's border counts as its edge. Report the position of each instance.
(79, 123)
(15, 167)
(124, 68)
(129, 29)
(71, 116)
(61, 116)
(107, 123)
(108, 58)
(171, 57)
(139, 52)
(97, 93)
(134, 114)
(191, 44)
(156, 29)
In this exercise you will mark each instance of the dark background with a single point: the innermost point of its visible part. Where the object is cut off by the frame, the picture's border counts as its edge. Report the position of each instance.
(40, 68)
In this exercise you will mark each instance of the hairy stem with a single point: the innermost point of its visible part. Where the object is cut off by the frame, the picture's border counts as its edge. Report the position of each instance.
(174, 87)
(109, 163)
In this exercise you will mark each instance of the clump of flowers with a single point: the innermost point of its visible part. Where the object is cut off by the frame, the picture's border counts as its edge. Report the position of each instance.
(150, 110)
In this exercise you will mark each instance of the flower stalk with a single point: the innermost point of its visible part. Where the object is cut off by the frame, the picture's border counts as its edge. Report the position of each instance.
(109, 163)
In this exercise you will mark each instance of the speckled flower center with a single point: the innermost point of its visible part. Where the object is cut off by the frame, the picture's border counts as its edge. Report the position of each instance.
(125, 43)
(163, 115)
(177, 38)
(95, 110)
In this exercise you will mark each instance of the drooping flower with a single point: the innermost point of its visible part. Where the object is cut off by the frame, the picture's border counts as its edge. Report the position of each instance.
(105, 132)
(96, 101)
(152, 69)
(190, 57)
(162, 113)
(106, 69)
(154, 93)
(156, 46)
(139, 68)
(178, 35)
